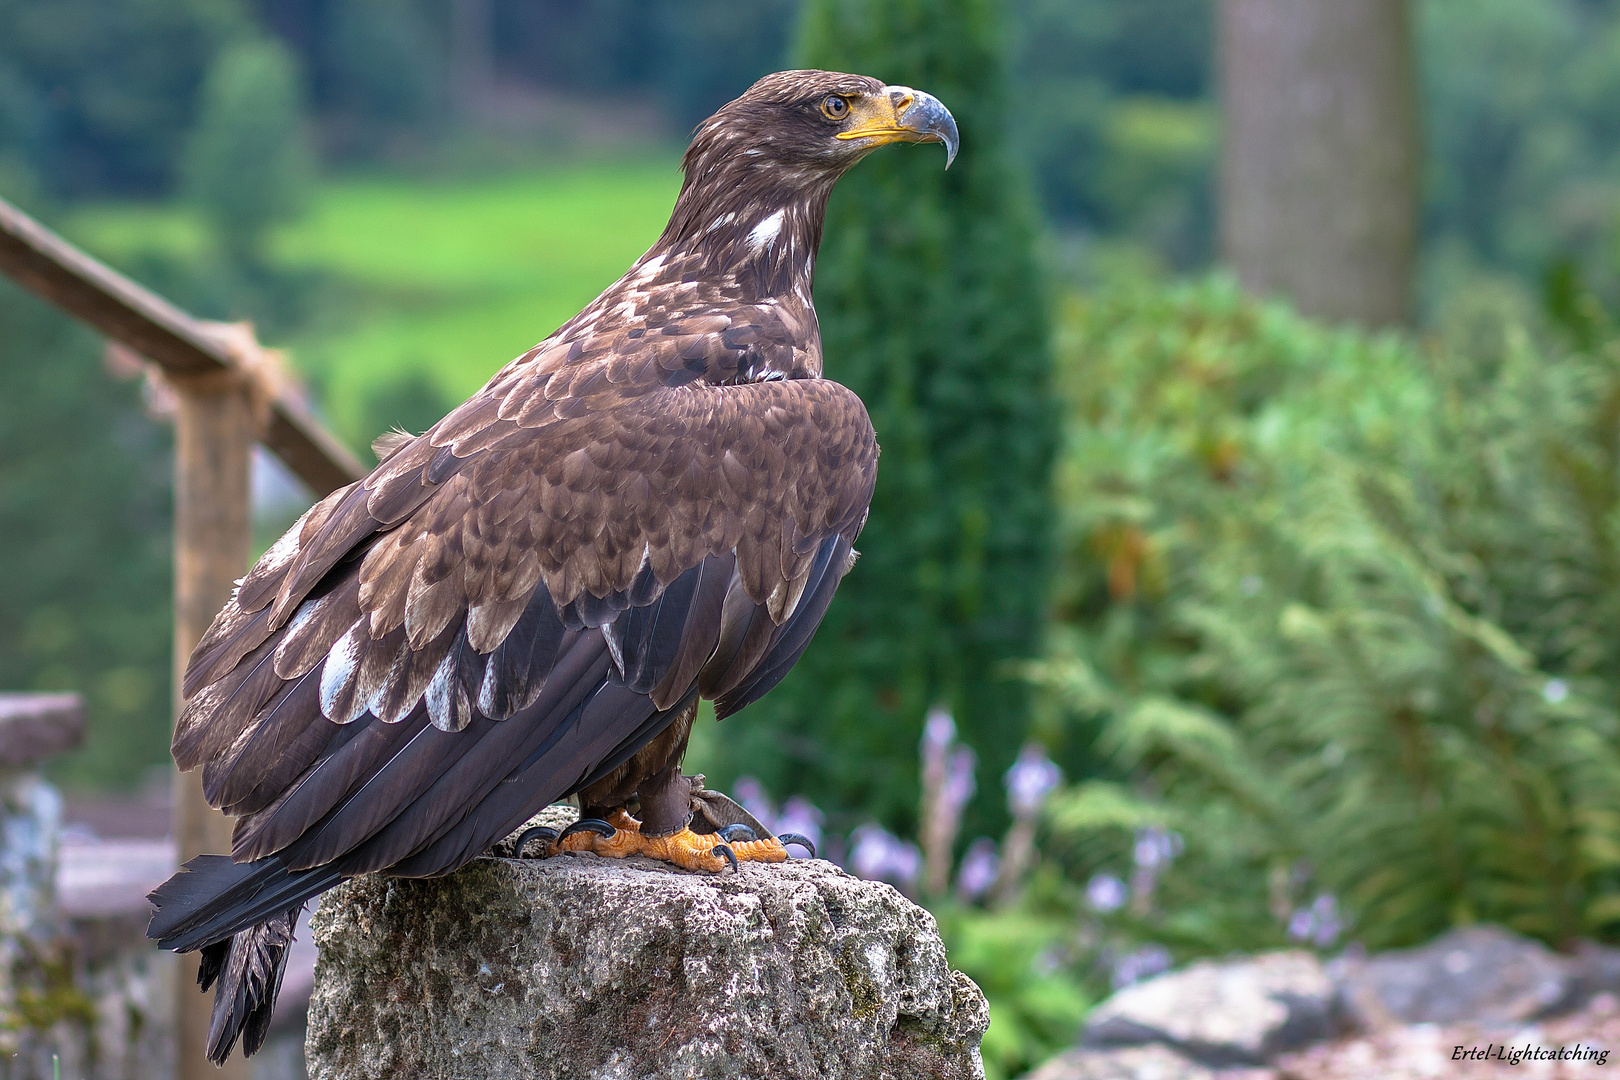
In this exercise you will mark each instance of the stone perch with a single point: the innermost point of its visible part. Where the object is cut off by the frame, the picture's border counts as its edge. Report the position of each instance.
(579, 967)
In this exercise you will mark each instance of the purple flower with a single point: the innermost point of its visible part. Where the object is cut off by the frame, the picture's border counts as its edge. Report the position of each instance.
(1030, 780)
(959, 784)
(1144, 963)
(939, 731)
(1156, 847)
(1318, 924)
(879, 855)
(750, 795)
(1106, 893)
(979, 868)
(800, 815)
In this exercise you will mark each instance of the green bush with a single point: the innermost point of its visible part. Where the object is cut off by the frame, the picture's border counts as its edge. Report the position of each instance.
(1021, 958)
(1345, 613)
(1115, 119)
(380, 74)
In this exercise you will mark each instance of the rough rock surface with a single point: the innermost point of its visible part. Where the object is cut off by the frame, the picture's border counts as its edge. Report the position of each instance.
(1413, 1013)
(1482, 974)
(580, 967)
(1597, 970)
(1589, 1039)
(1236, 1012)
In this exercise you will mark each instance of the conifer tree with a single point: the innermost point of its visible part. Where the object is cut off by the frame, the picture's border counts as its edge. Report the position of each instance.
(931, 310)
(249, 164)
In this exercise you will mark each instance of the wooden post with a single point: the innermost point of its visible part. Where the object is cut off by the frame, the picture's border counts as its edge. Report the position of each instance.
(214, 434)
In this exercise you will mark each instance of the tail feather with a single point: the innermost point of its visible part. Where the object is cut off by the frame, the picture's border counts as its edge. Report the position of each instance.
(242, 917)
(213, 898)
(249, 967)
(211, 962)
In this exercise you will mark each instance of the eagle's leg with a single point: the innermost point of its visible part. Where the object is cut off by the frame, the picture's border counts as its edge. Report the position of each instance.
(671, 804)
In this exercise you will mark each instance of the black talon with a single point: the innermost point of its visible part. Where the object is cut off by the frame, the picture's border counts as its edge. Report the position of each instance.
(794, 838)
(731, 832)
(526, 835)
(725, 852)
(589, 824)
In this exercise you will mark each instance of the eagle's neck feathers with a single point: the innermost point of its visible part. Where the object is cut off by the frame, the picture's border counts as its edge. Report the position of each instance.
(753, 222)
(743, 237)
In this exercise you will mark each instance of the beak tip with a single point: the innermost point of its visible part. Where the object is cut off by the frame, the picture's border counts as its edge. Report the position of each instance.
(929, 117)
(945, 132)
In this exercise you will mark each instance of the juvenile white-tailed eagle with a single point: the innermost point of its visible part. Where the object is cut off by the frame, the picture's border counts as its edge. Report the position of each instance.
(653, 505)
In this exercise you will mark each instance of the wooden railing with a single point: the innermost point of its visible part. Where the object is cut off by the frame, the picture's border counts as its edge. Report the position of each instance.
(229, 395)
(183, 347)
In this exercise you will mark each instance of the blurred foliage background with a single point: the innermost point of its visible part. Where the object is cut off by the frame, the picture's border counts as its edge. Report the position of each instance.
(1317, 624)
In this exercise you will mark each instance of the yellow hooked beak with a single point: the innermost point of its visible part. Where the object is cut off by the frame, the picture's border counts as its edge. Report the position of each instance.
(901, 114)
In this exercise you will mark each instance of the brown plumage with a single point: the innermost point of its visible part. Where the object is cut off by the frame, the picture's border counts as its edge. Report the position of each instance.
(524, 603)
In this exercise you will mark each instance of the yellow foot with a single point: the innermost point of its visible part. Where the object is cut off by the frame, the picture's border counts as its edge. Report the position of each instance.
(621, 836)
(766, 850)
(614, 843)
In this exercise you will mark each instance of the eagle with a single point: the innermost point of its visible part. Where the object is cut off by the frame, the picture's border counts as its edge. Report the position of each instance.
(525, 603)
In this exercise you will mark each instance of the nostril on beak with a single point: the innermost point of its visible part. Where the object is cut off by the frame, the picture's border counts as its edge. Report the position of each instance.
(901, 100)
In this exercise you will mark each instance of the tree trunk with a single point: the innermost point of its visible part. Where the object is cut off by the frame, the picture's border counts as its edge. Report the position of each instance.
(1319, 171)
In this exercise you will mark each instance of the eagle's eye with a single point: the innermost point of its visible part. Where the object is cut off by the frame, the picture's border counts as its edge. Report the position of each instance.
(834, 107)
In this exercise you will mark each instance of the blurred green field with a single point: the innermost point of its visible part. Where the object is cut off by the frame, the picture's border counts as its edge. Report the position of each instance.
(444, 279)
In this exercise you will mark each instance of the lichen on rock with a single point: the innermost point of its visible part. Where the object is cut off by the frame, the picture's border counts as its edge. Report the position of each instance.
(576, 967)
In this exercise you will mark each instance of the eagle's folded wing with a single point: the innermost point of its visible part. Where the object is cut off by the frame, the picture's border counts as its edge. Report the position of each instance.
(521, 595)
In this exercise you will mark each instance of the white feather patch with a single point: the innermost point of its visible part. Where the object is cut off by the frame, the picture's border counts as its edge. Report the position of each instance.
(447, 703)
(784, 599)
(396, 673)
(615, 646)
(766, 231)
(342, 663)
(486, 689)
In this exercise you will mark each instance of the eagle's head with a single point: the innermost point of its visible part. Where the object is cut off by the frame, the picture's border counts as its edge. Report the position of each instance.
(819, 123)
(759, 171)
